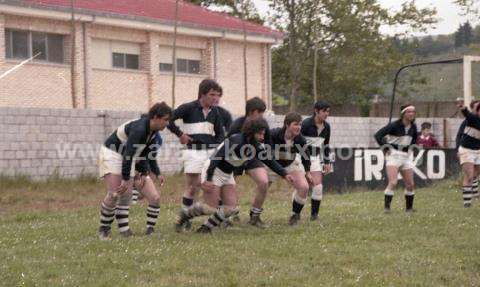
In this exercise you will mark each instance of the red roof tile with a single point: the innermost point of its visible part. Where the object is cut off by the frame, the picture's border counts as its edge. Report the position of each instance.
(163, 10)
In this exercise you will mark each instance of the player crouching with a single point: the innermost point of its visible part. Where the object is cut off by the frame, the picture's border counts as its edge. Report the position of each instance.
(218, 180)
(289, 148)
(125, 151)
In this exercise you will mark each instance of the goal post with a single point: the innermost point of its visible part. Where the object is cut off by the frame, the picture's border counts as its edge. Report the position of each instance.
(467, 78)
(466, 61)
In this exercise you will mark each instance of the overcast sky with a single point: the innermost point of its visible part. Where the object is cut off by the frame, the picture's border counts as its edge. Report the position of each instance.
(448, 13)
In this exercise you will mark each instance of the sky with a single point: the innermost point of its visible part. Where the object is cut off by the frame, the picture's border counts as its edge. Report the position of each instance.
(448, 14)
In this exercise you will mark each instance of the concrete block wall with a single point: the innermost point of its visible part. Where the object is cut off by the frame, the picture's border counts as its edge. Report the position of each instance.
(45, 142)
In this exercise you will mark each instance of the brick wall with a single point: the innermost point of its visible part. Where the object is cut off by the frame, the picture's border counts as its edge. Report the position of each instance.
(44, 85)
(43, 142)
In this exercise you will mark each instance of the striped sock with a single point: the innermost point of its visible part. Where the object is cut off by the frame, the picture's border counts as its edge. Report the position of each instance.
(106, 216)
(187, 203)
(197, 209)
(152, 215)
(121, 214)
(475, 188)
(135, 194)
(255, 211)
(215, 219)
(467, 195)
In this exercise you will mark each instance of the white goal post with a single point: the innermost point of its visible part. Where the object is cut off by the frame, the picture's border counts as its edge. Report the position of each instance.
(467, 78)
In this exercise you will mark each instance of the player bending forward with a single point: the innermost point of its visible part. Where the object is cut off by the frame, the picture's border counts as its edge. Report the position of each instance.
(129, 146)
(291, 151)
(398, 138)
(217, 175)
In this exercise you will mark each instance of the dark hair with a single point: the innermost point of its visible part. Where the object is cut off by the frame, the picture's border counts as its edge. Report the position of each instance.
(251, 127)
(321, 106)
(291, 117)
(255, 104)
(206, 85)
(159, 110)
(426, 125)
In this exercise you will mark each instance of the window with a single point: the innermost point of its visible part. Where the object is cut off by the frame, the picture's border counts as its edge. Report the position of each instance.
(182, 65)
(24, 44)
(125, 61)
(164, 67)
(188, 60)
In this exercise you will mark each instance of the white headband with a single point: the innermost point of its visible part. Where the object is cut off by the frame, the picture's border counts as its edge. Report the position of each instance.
(408, 108)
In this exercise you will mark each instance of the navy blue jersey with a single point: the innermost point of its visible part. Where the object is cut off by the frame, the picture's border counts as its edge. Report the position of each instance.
(206, 131)
(471, 134)
(318, 139)
(397, 136)
(235, 151)
(285, 153)
(131, 139)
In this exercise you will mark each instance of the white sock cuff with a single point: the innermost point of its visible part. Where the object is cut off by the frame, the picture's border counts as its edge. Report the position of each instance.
(317, 192)
(388, 192)
(409, 193)
(298, 199)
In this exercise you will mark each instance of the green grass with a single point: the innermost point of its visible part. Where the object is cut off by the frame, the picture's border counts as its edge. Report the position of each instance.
(357, 244)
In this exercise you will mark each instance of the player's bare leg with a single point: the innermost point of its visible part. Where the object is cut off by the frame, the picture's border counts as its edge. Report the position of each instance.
(260, 177)
(299, 197)
(392, 177)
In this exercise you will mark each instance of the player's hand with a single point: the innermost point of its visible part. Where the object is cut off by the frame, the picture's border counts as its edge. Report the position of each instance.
(289, 178)
(208, 185)
(139, 181)
(460, 103)
(124, 186)
(185, 139)
(161, 179)
(327, 168)
(309, 177)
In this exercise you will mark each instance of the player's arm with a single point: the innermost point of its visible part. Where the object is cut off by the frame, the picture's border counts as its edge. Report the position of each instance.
(218, 128)
(382, 133)
(271, 163)
(304, 153)
(178, 113)
(326, 148)
(472, 119)
(459, 136)
(135, 139)
(216, 158)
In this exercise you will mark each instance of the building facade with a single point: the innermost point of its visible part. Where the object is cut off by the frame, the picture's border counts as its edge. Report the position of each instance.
(123, 54)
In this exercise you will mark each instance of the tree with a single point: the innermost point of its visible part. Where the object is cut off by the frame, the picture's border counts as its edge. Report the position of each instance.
(234, 7)
(355, 57)
(464, 35)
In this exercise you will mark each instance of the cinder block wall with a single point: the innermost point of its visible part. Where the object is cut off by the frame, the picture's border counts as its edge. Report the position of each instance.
(44, 142)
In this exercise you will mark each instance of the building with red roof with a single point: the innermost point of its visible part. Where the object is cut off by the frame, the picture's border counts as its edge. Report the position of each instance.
(120, 53)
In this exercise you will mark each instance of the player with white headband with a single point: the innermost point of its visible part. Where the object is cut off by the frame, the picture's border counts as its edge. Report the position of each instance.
(397, 138)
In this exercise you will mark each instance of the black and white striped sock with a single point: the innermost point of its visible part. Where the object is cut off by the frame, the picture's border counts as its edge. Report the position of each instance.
(106, 216)
(215, 219)
(121, 214)
(187, 203)
(197, 209)
(152, 215)
(467, 195)
(256, 211)
(475, 188)
(135, 194)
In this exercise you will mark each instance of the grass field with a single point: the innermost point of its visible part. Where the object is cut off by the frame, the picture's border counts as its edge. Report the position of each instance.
(48, 238)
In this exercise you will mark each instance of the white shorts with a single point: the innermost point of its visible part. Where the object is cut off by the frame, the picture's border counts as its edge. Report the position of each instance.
(316, 164)
(219, 177)
(110, 161)
(193, 160)
(467, 155)
(296, 165)
(400, 159)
